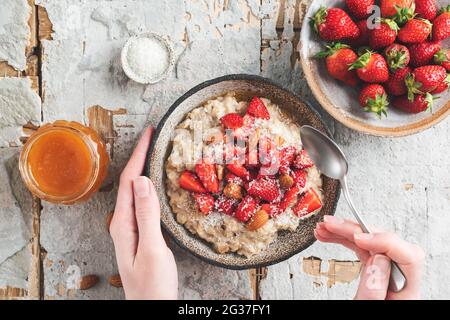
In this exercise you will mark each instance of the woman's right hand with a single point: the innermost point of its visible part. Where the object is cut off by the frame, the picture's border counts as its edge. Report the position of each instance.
(376, 251)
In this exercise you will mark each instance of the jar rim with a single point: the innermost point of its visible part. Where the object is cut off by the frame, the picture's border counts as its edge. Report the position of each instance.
(25, 170)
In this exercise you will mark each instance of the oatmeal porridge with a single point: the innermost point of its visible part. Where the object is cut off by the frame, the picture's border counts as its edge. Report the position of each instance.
(237, 174)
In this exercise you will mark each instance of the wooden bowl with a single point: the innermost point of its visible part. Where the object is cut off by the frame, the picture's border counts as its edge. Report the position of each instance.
(245, 86)
(341, 101)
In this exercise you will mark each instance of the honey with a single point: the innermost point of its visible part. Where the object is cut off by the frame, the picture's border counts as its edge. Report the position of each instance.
(64, 162)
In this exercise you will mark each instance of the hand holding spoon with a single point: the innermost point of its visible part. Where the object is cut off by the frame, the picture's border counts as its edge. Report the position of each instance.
(331, 161)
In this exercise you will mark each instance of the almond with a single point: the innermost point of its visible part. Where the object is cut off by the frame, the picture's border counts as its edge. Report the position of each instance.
(219, 169)
(279, 140)
(88, 282)
(258, 220)
(286, 181)
(108, 220)
(115, 281)
(233, 191)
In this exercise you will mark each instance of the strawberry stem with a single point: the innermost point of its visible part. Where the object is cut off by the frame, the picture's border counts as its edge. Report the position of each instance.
(412, 86)
(377, 105)
(318, 18)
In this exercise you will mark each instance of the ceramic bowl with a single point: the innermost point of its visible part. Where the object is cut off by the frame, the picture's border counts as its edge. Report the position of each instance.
(245, 86)
(341, 101)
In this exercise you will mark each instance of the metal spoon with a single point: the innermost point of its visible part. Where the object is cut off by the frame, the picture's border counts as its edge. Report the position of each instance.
(331, 161)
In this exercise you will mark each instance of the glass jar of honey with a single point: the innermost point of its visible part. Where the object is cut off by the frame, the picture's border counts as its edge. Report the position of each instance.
(64, 162)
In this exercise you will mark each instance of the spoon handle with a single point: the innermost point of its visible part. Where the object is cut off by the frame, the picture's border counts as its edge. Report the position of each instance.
(397, 279)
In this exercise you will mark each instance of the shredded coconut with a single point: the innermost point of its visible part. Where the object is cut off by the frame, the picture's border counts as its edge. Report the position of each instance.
(148, 57)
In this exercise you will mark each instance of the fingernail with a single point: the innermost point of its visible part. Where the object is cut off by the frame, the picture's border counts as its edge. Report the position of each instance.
(141, 187)
(333, 220)
(381, 261)
(363, 236)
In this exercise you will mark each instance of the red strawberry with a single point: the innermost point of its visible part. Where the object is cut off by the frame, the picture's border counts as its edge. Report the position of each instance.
(205, 202)
(426, 9)
(289, 197)
(363, 38)
(384, 34)
(441, 25)
(338, 57)
(334, 24)
(265, 188)
(373, 98)
(396, 83)
(208, 176)
(287, 156)
(442, 57)
(238, 169)
(257, 109)
(232, 121)
(271, 209)
(397, 56)
(360, 8)
(226, 205)
(246, 209)
(231, 177)
(419, 104)
(189, 181)
(371, 67)
(309, 202)
(443, 86)
(247, 128)
(424, 79)
(415, 31)
(422, 53)
(303, 161)
(390, 8)
(299, 176)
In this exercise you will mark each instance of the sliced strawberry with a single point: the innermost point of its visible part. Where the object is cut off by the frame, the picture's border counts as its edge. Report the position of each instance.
(308, 203)
(303, 161)
(190, 182)
(299, 176)
(257, 109)
(238, 169)
(246, 209)
(247, 128)
(289, 197)
(226, 205)
(286, 156)
(231, 177)
(271, 209)
(232, 121)
(208, 176)
(205, 202)
(264, 188)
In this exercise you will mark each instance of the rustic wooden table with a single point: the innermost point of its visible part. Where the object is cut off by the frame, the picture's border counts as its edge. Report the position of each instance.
(65, 55)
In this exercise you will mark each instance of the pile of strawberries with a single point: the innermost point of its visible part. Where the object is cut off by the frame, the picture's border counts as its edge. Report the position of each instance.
(253, 186)
(398, 54)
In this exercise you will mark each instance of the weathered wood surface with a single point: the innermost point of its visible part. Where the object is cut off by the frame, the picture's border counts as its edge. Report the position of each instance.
(400, 184)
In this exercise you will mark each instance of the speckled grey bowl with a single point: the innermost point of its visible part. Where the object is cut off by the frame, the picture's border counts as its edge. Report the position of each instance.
(245, 86)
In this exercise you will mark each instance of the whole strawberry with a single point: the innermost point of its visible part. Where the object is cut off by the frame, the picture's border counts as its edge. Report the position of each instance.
(371, 67)
(374, 99)
(422, 53)
(396, 84)
(390, 8)
(415, 31)
(426, 9)
(384, 34)
(397, 56)
(363, 38)
(334, 24)
(441, 25)
(338, 58)
(442, 58)
(360, 8)
(425, 79)
(419, 103)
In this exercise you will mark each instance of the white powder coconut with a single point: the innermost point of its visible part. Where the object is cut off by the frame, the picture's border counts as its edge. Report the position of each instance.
(146, 58)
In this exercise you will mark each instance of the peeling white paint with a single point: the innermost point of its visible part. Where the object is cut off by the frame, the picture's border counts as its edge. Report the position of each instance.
(14, 32)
